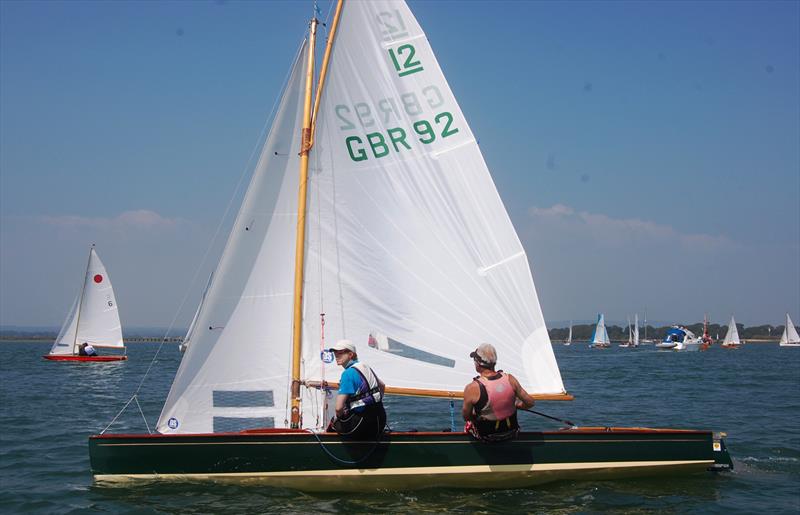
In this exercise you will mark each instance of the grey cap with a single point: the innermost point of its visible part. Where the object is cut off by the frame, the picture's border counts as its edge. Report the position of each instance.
(485, 355)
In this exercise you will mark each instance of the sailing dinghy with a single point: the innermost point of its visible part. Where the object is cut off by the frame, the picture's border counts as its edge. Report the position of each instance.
(93, 319)
(600, 335)
(732, 340)
(789, 338)
(401, 244)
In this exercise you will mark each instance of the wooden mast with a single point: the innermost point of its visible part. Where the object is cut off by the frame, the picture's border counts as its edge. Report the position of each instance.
(297, 320)
(80, 302)
(309, 124)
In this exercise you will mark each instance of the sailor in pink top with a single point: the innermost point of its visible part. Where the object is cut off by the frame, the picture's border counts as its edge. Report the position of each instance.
(492, 398)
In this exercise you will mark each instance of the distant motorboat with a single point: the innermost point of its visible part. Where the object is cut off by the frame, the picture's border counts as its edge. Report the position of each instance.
(790, 338)
(679, 338)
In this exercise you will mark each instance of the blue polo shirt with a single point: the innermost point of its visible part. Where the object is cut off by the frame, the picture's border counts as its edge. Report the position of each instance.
(352, 383)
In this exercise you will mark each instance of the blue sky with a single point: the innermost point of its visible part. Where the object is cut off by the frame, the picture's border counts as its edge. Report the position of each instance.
(648, 152)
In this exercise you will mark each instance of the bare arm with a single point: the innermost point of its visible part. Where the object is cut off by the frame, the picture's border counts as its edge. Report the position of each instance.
(341, 402)
(471, 396)
(524, 400)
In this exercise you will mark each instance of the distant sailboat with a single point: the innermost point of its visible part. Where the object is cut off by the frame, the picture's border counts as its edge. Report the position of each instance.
(629, 343)
(93, 319)
(732, 336)
(646, 340)
(790, 338)
(600, 334)
(636, 330)
(569, 336)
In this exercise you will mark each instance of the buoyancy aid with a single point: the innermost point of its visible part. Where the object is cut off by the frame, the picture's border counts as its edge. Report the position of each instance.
(496, 412)
(372, 395)
(500, 398)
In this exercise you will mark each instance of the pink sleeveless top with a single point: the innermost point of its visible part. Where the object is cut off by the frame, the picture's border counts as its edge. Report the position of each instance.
(500, 404)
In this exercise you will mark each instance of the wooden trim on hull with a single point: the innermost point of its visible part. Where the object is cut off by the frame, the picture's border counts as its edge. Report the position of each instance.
(412, 478)
(56, 357)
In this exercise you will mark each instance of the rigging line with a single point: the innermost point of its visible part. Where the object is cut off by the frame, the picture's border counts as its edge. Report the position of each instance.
(143, 417)
(216, 232)
(340, 460)
(548, 416)
(118, 414)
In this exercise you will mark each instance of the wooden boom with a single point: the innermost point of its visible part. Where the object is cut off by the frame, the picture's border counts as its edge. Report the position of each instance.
(441, 394)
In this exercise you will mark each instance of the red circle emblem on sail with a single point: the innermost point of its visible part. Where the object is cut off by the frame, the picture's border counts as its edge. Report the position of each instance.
(98, 278)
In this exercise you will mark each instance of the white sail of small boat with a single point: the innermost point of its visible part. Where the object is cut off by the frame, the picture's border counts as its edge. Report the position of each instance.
(569, 335)
(628, 343)
(732, 336)
(407, 240)
(636, 330)
(93, 318)
(789, 338)
(600, 334)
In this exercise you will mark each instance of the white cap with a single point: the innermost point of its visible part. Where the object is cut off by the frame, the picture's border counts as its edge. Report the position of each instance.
(344, 345)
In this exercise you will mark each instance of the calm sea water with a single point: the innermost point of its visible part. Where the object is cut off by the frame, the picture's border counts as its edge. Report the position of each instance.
(48, 409)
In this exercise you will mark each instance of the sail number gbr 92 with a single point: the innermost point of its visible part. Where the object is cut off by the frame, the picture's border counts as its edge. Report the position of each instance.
(375, 145)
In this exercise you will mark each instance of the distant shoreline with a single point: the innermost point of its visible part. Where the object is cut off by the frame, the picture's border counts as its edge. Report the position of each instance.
(136, 339)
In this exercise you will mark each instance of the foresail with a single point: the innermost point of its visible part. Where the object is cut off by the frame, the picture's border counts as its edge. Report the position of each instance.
(411, 253)
(99, 323)
(235, 373)
(65, 341)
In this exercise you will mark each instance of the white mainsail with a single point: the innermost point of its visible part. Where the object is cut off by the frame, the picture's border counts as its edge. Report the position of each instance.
(408, 236)
(94, 317)
(410, 252)
(732, 336)
(636, 330)
(789, 338)
(600, 335)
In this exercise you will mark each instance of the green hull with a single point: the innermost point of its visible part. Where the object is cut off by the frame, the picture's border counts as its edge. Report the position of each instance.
(301, 460)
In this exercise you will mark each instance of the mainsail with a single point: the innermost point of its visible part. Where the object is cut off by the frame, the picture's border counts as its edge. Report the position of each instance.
(94, 317)
(409, 250)
(408, 237)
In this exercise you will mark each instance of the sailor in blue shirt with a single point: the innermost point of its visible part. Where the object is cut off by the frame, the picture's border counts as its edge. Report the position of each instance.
(359, 406)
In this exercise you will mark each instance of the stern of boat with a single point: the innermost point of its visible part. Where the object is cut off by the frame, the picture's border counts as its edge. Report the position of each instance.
(722, 460)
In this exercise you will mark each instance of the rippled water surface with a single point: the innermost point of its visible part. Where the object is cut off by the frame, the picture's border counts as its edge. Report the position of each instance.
(49, 409)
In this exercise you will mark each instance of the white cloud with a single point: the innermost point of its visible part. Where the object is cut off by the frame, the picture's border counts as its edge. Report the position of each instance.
(617, 230)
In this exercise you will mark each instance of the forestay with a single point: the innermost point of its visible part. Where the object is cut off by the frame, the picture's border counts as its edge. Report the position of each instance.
(411, 253)
(235, 373)
(94, 317)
